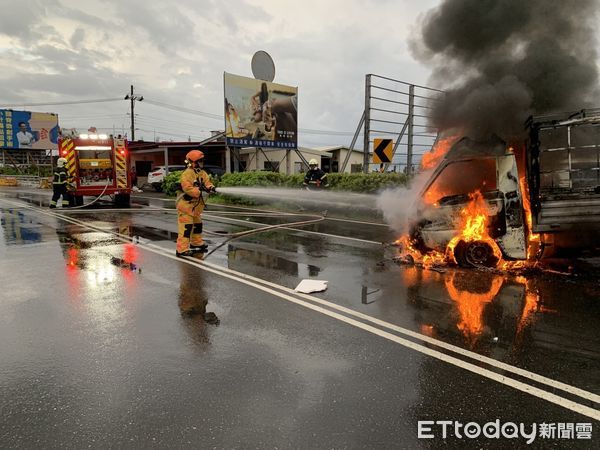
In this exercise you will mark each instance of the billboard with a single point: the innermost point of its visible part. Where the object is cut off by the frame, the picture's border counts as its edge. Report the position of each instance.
(259, 113)
(28, 130)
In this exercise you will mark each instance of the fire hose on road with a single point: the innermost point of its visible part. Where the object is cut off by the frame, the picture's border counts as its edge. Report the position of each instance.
(95, 200)
(239, 234)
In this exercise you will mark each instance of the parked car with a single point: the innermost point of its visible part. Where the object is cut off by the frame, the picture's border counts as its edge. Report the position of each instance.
(157, 175)
(215, 171)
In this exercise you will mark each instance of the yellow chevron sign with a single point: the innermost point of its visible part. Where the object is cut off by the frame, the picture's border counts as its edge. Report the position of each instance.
(382, 150)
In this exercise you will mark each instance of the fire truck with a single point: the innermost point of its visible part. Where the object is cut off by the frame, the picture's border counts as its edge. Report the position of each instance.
(98, 165)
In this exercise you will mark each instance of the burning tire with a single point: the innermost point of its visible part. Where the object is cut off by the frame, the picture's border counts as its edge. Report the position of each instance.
(475, 254)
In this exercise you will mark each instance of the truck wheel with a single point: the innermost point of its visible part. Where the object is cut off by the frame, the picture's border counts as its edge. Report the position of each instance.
(475, 254)
(122, 200)
(157, 187)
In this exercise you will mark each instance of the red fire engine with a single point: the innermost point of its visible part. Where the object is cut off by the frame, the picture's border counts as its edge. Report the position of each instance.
(98, 166)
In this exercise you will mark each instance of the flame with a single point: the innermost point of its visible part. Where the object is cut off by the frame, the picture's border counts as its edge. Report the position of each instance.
(470, 306)
(439, 149)
(474, 225)
(427, 260)
(533, 239)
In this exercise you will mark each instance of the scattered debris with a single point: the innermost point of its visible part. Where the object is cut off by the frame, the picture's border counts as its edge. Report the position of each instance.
(308, 286)
(124, 265)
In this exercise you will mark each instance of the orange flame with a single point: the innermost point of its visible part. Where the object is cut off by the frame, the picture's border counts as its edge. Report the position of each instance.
(474, 225)
(440, 148)
(533, 239)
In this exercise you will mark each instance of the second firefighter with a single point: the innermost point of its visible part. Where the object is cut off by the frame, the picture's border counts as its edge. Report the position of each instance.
(59, 184)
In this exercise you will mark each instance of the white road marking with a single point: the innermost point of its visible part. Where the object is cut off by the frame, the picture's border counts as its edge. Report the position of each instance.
(262, 285)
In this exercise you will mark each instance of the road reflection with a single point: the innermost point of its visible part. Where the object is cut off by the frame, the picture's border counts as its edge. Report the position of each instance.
(100, 270)
(18, 228)
(488, 311)
(192, 295)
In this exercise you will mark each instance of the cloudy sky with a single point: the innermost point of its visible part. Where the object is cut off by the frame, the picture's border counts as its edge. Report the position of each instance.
(175, 53)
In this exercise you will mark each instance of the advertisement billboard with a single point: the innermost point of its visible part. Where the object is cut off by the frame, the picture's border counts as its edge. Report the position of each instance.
(28, 130)
(259, 113)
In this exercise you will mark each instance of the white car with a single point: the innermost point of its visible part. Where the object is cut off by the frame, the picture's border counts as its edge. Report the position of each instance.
(157, 175)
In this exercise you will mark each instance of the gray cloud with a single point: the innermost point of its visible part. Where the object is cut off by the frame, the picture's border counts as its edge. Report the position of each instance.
(176, 52)
(77, 38)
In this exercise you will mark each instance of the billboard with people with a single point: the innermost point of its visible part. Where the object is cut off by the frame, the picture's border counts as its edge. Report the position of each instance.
(28, 130)
(260, 113)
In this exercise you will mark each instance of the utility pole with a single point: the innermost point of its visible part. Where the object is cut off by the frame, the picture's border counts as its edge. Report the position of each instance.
(132, 98)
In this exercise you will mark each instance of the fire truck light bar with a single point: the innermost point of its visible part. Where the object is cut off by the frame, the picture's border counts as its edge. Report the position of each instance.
(93, 136)
(93, 147)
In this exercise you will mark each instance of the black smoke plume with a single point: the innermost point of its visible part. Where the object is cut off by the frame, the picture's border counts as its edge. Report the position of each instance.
(500, 61)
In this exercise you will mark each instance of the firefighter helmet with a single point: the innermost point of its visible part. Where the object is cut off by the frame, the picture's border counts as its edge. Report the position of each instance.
(193, 156)
(61, 162)
(313, 162)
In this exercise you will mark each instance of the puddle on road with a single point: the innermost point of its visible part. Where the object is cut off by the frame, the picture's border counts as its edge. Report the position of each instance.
(238, 253)
(19, 228)
(500, 315)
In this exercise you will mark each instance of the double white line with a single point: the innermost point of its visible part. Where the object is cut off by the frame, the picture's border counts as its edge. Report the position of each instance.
(389, 331)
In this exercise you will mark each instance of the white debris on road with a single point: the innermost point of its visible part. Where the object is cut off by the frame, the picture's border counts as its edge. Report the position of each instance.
(308, 286)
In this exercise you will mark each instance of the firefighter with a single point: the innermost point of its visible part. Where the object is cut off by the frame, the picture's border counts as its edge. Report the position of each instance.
(59, 184)
(190, 205)
(315, 178)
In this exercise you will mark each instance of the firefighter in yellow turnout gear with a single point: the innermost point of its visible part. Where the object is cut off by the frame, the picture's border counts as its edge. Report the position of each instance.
(190, 205)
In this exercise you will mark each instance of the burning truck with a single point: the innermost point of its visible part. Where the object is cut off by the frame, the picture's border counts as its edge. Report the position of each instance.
(497, 204)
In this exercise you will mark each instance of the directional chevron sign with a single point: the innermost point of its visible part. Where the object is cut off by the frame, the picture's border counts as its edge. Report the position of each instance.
(382, 150)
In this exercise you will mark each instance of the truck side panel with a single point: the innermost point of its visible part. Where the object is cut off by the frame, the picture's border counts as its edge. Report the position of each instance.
(565, 160)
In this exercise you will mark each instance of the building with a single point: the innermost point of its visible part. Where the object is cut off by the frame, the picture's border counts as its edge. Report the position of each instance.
(289, 161)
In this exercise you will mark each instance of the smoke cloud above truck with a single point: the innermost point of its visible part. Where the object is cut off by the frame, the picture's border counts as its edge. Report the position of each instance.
(501, 61)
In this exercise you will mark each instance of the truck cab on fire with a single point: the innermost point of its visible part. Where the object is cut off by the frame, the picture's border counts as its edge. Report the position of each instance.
(540, 197)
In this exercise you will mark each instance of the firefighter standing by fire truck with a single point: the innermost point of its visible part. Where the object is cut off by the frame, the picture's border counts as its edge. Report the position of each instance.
(59, 184)
(190, 204)
(315, 178)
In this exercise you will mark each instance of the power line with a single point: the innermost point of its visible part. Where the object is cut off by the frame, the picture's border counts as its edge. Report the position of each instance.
(183, 109)
(73, 102)
(220, 117)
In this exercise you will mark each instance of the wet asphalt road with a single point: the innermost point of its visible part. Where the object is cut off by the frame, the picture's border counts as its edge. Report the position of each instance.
(93, 353)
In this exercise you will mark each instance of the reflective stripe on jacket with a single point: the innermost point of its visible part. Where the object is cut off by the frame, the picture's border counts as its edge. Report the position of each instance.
(61, 176)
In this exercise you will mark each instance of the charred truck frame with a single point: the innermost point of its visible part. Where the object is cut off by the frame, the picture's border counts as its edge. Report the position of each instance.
(545, 191)
(98, 165)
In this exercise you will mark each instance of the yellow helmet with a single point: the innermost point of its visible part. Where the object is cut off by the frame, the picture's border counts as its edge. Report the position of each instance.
(313, 162)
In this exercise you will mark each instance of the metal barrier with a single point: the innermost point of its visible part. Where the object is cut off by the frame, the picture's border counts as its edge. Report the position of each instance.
(399, 111)
(27, 180)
